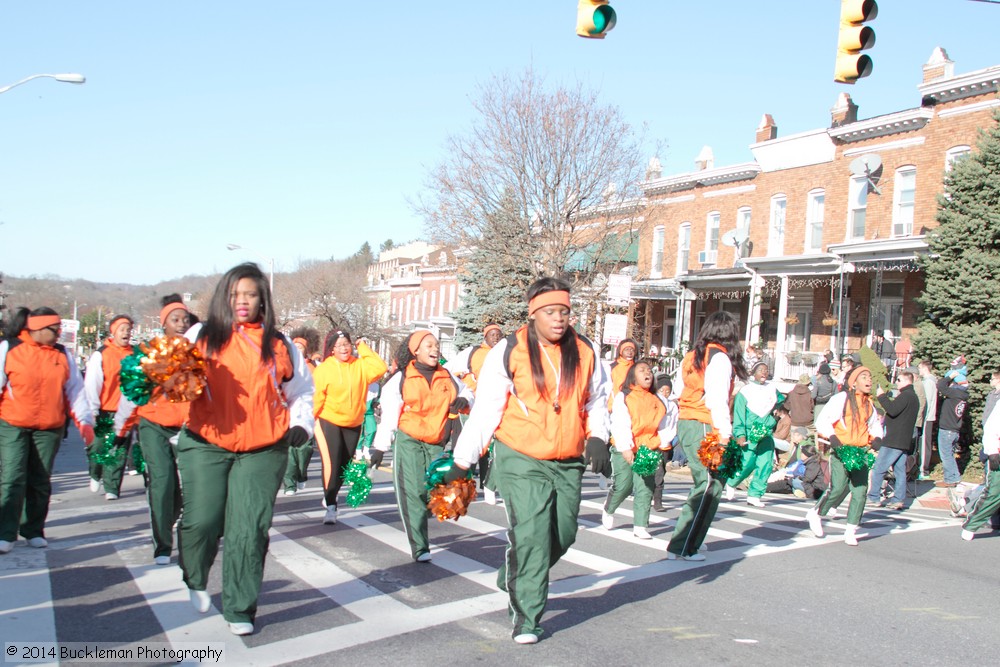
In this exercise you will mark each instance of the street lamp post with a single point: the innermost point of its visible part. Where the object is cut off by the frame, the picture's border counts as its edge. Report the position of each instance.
(64, 78)
(269, 260)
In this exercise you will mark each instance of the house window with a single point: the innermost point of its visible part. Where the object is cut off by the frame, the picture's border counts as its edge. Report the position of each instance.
(903, 200)
(743, 217)
(776, 233)
(857, 206)
(955, 154)
(814, 221)
(659, 238)
(683, 247)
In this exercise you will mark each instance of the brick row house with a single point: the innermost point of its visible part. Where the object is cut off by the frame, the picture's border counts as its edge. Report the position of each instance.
(813, 244)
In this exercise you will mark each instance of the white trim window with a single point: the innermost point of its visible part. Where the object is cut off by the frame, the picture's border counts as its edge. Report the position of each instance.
(857, 207)
(814, 221)
(903, 199)
(743, 217)
(776, 228)
(712, 223)
(954, 154)
(656, 263)
(683, 247)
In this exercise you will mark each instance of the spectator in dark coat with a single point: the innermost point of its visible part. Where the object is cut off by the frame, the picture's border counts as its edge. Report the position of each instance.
(800, 403)
(898, 443)
(803, 477)
(954, 399)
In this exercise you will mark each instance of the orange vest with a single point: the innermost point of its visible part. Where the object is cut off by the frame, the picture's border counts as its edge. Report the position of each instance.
(476, 359)
(243, 407)
(851, 433)
(691, 404)
(425, 406)
(646, 411)
(161, 411)
(111, 365)
(36, 377)
(530, 424)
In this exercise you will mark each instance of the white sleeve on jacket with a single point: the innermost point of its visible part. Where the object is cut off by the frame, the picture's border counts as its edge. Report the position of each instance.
(930, 397)
(299, 392)
(93, 381)
(459, 365)
(392, 407)
(125, 410)
(718, 381)
(875, 429)
(668, 426)
(991, 433)
(621, 424)
(598, 419)
(491, 398)
(4, 346)
(76, 394)
(831, 413)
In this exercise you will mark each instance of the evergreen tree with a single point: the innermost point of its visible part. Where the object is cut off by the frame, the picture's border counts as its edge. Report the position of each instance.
(961, 300)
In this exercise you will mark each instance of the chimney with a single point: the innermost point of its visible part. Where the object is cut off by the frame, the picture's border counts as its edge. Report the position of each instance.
(844, 112)
(938, 66)
(705, 159)
(767, 130)
(654, 170)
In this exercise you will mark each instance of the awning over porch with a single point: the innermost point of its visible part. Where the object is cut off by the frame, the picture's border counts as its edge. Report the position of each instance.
(661, 289)
(795, 265)
(614, 249)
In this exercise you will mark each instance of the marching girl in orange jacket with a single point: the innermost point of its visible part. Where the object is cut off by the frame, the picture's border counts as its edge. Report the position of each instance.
(416, 404)
(39, 385)
(339, 407)
(627, 350)
(103, 385)
(160, 421)
(233, 450)
(541, 390)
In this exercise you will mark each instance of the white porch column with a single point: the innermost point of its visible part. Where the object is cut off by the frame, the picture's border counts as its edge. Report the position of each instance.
(779, 344)
(753, 315)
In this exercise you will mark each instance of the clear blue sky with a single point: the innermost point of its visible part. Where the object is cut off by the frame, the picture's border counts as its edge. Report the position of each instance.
(301, 129)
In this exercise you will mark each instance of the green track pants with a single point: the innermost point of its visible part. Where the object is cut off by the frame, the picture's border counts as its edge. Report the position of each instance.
(542, 499)
(702, 501)
(297, 469)
(842, 483)
(164, 489)
(987, 504)
(26, 457)
(623, 483)
(232, 492)
(410, 462)
(759, 460)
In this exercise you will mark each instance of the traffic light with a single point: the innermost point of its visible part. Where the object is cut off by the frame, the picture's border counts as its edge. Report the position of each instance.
(594, 18)
(854, 37)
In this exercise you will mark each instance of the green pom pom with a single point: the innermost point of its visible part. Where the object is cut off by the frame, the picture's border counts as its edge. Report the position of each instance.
(356, 474)
(732, 461)
(438, 468)
(646, 461)
(135, 386)
(758, 431)
(855, 458)
(103, 451)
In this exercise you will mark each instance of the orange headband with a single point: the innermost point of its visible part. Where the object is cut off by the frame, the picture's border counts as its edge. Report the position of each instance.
(492, 327)
(169, 308)
(39, 322)
(556, 297)
(121, 318)
(415, 338)
(854, 374)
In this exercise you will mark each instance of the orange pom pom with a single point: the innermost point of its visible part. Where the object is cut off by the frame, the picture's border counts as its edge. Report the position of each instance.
(710, 452)
(176, 365)
(452, 500)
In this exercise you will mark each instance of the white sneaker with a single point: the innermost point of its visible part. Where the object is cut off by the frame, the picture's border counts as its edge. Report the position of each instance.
(832, 514)
(5, 546)
(331, 515)
(607, 520)
(815, 522)
(424, 557)
(290, 492)
(95, 485)
(201, 601)
(754, 501)
(133, 472)
(300, 485)
(38, 542)
(730, 492)
(490, 496)
(111, 496)
(641, 533)
(162, 560)
(241, 629)
(602, 484)
(967, 535)
(526, 638)
(851, 536)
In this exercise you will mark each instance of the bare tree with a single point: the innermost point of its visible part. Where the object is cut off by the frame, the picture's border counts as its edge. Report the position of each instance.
(569, 165)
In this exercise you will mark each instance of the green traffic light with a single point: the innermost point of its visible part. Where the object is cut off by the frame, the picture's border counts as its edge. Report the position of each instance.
(604, 19)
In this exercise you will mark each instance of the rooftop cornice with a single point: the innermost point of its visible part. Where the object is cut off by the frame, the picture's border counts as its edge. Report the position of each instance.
(705, 177)
(980, 82)
(880, 126)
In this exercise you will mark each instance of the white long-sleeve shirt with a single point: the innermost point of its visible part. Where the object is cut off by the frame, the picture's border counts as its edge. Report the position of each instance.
(991, 433)
(73, 391)
(621, 423)
(833, 412)
(718, 383)
(392, 408)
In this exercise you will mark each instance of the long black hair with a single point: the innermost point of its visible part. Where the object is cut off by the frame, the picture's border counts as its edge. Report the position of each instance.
(218, 326)
(722, 329)
(630, 377)
(569, 366)
(19, 321)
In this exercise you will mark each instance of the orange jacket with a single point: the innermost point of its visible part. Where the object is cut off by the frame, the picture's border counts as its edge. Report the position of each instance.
(243, 406)
(646, 411)
(342, 386)
(34, 394)
(425, 405)
(103, 379)
(161, 411)
(618, 372)
(853, 432)
(691, 404)
(530, 423)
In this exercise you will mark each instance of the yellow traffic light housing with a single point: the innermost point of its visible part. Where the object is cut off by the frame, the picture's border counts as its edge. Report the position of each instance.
(854, 38)
(594, 18)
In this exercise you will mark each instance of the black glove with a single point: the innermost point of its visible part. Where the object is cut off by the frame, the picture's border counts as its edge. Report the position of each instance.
(994, 462)
(455, 473)
(297, 436)
(597, 454)
(121, 441)
(375, 457)
(460, 404)
(835, 442)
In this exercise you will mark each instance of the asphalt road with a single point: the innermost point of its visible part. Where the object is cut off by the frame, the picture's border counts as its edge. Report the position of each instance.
(911, 593)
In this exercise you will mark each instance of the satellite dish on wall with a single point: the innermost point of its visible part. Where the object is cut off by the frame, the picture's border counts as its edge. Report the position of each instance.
(868, 165)
(738, 238)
